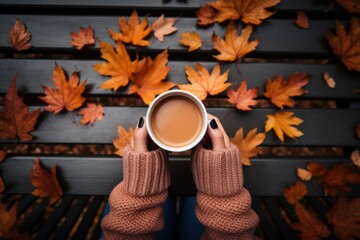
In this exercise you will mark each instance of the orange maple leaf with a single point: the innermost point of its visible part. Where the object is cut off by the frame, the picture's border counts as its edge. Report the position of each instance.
(2, 185)
(310, 227)
(45, 182)
(280, 90)
(243, 98)
(302, 20)
(347, 46)
(67, 94)
(281, 123)
(119, 65)
(249, 11)
(84, 37)
(316, 169)
(148, 77)
(248, 146)
(234, 47)
(19, 37)
(91, 113)
(203, 83)
(7, 221)
(205, 15)
(191, 39)
(15, 118)
(345, 217)
(133, 32)
(124, 139)
(2, 155)
(295, 193)
(162, 27)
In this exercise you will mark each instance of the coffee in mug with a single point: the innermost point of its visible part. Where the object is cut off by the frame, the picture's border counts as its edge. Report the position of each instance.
(176, 120)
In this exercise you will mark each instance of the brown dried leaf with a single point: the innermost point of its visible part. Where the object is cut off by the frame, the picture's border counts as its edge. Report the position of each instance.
(352, 6)
(84, 37)
(358, 130)
(329, 80)
(303, 174)
(7, 221)
(191, 40)
(162, 27)
(123, 140)
(91, 113)
(2, 186)
(302, 20)
(19, 37)
(295, 193)
(316, 169)
(205, 15)
(242, 98)
(2, 155)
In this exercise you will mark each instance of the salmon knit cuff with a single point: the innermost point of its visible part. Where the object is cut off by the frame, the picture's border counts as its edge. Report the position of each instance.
(218, 173)
(145, 173)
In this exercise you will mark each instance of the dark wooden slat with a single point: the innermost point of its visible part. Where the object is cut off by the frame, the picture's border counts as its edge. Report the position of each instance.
(290, 211)
(99, 175)
(50, 223)
(277, 36)
(88, 218)
(97, 232)
(321, 127)
(318, 206)
(34, 216)
(34, 74)
(24, 203)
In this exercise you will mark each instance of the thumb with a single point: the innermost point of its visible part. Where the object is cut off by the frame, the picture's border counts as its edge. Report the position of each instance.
(140, 137)
(216, 136)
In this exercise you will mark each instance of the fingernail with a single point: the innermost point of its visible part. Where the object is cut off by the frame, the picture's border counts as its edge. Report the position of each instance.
(213, 124)
(141, 122)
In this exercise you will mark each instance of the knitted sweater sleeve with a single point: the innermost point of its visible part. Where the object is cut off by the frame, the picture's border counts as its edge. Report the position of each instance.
(223, 205)
(136, 203)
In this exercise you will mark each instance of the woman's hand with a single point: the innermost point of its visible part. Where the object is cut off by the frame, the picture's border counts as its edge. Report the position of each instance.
(216, 138)
(140, 138)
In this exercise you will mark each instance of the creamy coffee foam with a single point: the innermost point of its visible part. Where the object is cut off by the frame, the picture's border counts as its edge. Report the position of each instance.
(176, 121)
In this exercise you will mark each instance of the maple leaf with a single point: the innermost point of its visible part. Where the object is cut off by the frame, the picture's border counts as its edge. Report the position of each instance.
(162, 27)
(15, 119)
(329, 80)
(7, 221)
(345, 217)
(123, 140)
(303, 174)
(316, 169)
(347, 46)
(248, 146)
(148, 77)
(19, 37)
(2, 185)
(249, 11)
(352, 6)
(355, 157)
(205, 15)
(337, 178)
(243, 98)
(119, 65)
(280, 90)
(84, 37)
(67, 94)
(203, 83)
(133, 32)
(295, 193)
(302, 20)
(234, 47)
(45, 182)
(91, 113)
(310, 227)
(192, 40)
(281, 123)
(2, 155)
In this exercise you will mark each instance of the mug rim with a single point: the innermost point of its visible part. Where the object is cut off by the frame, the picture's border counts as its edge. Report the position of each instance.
(177, 92)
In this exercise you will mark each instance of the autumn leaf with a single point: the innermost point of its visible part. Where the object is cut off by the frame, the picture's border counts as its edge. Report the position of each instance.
(2, 155)
(347, 46)
(316, 169)
(303, 174)
(2, 185)
(295, 193)
(162, 27)
(352, 6)
(250, 11)
(279, 90)
(302, 20)
(84, 37)
(19, 37)
(310, 227)
(345, 217)
(329, 80)
(204, 83)
(282, 123)
(133, 31)
(205, 15)
(119, 65)
(123, 140)
(67, 94)
(242, 98)
(357, 130)
(91, 113)
(248, 146)
(192, 40)
(15, 118)
(234, 47)
(45, 182)
(149, 76)
(7, 221)
(355, 157)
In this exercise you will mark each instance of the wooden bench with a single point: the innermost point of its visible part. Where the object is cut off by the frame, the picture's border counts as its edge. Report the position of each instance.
(87, 179)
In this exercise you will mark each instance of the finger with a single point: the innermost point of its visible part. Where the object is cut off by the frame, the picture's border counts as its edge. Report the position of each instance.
(216, 135)
(140, 137)
(220, 126)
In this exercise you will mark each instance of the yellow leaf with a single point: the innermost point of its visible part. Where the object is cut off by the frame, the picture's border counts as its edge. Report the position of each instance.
(124, 139)
(282, 123)
(191, 39)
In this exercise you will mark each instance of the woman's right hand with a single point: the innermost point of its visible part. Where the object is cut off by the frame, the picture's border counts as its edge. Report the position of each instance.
(216, 138)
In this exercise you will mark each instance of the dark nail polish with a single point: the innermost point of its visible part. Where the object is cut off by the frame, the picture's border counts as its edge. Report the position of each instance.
(213, 124)
(141, 122)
